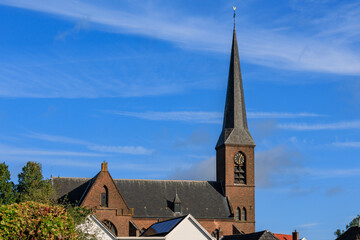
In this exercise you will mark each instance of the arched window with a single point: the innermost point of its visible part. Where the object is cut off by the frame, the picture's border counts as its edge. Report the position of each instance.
(105, 197)
(243, 214)
(237, 214)
(239, 168)
(109, 225)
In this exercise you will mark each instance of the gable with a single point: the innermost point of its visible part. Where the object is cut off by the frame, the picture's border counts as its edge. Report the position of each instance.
(189, 228)
(104, 184)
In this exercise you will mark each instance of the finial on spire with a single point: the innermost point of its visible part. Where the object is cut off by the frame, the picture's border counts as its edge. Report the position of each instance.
(234, 14)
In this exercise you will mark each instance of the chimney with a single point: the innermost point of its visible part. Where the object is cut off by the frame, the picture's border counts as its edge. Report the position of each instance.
(295, 235)
(104, 166)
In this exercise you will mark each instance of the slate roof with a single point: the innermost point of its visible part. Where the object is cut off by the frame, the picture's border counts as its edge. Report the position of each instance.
(352, 233)
(235, 128)
(71, 189)
(154, 198)
(263, 235)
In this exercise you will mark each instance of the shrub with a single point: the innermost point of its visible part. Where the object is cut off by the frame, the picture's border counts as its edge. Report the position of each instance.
(32, 220)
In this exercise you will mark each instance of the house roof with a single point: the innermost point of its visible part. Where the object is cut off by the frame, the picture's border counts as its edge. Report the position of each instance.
(353, 233)
(263, 235)
(283, 236)
(154, 198)
(163, 228)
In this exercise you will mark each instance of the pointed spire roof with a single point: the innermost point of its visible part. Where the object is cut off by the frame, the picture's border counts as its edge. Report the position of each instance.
(235, 129)
(177, 199)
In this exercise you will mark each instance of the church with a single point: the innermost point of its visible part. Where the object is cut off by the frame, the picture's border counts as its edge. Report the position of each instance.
(223, 207)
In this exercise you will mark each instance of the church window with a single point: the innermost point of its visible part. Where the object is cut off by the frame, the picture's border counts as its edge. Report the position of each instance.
(109, 225)
(239, 168)
(243, 214)
(105, 197)
(237, 214)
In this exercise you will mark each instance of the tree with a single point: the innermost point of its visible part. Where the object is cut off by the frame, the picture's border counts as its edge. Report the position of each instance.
(354, 222)
(32, 220)
(32, 186)
(7, 189)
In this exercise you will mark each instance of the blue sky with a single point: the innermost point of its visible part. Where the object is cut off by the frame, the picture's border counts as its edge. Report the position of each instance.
(142, 86)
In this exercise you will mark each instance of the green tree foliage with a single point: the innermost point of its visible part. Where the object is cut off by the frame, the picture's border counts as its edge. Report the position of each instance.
(354, 222)
(7, 190)
(31, 220)
(32, 186)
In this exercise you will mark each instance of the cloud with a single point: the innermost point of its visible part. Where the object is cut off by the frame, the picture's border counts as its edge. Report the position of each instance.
(334, 191)
(135, 150)
(197, 137)
(182, 116)
(260, 115)
(8, 150)
(205, 117)
(326, 45)
(323, 126)
(276, 167)
(204, 170)
(332, 173)
(82, 24)
(347, 144)
(55, 138)
(300, 191)
(307, 225)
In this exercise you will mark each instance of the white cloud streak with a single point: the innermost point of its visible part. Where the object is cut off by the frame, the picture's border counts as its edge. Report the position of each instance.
(206, 117)
(134, 150)
(324, 126)
(182, 116)
(347, 144)
(8, 150)
(328, 50)
(137, 150)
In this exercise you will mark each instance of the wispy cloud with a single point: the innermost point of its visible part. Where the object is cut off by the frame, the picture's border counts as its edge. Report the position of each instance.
(281, 158)
(203, 170)
(307, 225)
(321, 126)
(134, 150)
(347, 144)
(8, 150)
(332, 173)
(207, 117)
(326, 46)
(55, 138)
(259, 115)
(182, 116)
(137, 150)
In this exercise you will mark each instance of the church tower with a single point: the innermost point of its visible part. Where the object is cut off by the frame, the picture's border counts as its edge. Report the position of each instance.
(235, 150)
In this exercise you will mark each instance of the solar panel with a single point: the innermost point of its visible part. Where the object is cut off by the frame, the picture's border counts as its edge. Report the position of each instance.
(161, 228)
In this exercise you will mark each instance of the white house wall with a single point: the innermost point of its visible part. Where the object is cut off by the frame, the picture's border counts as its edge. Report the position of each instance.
(190, 230)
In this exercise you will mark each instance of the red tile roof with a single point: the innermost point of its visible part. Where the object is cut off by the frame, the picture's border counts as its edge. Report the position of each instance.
(283, 236)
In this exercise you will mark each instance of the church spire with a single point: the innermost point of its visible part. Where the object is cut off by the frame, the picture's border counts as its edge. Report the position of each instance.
(235, 130)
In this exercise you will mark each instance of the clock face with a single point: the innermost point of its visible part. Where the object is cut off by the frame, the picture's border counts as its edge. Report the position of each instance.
(239, 158)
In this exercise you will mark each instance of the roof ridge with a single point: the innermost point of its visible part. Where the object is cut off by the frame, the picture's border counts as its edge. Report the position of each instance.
(163, 180)
(72, 177)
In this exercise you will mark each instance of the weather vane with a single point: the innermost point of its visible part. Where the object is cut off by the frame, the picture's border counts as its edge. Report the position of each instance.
(234, 14)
